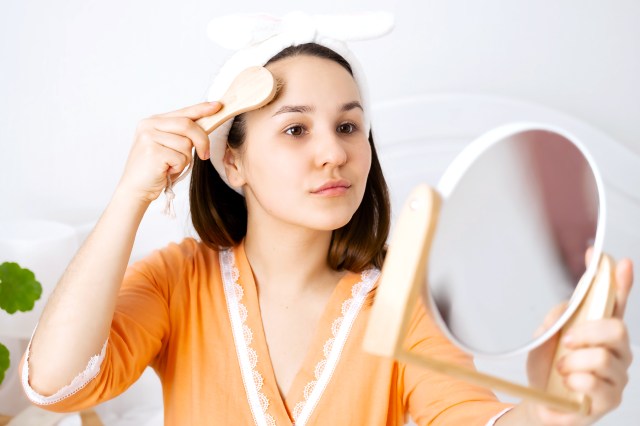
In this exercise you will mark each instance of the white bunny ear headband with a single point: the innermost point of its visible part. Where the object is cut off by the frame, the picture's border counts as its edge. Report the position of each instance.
(258, 38)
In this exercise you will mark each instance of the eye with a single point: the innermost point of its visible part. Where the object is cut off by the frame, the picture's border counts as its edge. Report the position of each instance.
(295, 130)
(347, 128)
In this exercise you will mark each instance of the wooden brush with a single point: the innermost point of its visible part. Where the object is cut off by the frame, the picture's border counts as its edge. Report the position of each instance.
(251, 89)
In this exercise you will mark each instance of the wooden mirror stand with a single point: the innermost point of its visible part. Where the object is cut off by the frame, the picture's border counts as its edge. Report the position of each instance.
(402, 281)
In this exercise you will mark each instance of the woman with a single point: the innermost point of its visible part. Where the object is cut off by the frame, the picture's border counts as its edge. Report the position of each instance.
(262, 320)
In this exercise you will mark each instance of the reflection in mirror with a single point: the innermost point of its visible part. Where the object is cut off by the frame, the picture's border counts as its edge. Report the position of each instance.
(510, 241)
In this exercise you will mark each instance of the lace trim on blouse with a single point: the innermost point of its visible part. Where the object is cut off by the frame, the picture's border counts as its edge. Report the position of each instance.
(248, 357)
(495, 418)
(78, 382)
(333, 347)
(243, 337)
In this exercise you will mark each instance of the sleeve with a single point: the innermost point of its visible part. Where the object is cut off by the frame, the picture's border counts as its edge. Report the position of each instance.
(139, 331)
(433, 398)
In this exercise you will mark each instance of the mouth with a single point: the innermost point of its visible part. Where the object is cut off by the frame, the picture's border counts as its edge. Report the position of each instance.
(333, 187)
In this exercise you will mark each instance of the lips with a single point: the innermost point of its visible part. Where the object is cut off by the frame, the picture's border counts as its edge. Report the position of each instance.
(332, 186)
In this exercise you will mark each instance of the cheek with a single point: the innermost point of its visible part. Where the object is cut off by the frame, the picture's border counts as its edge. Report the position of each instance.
(281, 169)
(362, 159)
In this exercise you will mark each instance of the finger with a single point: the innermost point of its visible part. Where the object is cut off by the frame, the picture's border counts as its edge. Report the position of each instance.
(604, 396)
(178, 143)
(597, 361)
(551, 318)
(163, 161)
(624, 282)
(610, 333)
(194, 112)
(174, 162)
(185, 127)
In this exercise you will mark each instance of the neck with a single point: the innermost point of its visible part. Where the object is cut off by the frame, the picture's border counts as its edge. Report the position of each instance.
(288, 261)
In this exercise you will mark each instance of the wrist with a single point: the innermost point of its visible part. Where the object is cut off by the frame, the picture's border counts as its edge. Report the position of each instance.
(133, 198)
(132, 201)
(522, 414)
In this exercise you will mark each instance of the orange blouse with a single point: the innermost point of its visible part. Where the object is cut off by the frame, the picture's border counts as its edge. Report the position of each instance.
(192, 313)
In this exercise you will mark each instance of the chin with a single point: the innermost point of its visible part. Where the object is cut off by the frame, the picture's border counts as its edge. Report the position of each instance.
(333, 223)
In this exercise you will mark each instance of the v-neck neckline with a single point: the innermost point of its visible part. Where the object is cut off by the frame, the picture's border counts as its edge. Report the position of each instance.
(268, 406)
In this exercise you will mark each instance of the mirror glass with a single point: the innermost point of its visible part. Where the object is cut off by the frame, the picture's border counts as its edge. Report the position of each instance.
(520, 208)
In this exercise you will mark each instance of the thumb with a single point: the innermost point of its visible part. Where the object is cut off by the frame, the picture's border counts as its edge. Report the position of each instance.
(624, 282)
(550, 319)
(539, 362)
(540, 359)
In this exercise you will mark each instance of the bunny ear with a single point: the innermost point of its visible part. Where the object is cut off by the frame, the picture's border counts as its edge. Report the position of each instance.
(239, 31)
(355, 27)
(236, 32)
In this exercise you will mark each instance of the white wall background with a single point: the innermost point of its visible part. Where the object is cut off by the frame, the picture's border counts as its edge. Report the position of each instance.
(76, 76)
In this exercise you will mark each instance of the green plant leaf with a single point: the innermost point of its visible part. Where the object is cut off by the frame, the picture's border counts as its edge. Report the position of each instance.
(4, 361)
(19, 289)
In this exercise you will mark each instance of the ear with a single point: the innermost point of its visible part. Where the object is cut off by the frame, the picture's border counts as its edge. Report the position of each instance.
(233, 168)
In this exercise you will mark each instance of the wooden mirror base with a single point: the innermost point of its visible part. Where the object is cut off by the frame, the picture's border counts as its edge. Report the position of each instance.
(400, 285)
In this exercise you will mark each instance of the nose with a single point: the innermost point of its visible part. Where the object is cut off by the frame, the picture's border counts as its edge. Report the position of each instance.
(330, 150)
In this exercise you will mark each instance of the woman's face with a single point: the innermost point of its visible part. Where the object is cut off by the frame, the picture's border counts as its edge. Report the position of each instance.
(306, 156)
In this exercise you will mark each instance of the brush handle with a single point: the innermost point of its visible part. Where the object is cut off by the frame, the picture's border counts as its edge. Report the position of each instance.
(212, 122)
(252, 88)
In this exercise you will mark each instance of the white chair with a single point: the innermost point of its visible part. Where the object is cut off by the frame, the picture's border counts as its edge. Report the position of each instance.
(44, 247)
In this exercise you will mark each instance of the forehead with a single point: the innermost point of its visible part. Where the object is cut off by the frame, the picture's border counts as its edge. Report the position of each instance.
(304, 75)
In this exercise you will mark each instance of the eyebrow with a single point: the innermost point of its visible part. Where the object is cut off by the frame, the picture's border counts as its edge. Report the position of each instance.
(351, 105)
(293, 108)
(305, 109)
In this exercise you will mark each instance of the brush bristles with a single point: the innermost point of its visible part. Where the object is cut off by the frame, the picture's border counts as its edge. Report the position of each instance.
(279, 87)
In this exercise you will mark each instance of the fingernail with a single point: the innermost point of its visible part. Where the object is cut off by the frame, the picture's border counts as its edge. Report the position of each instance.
(214, 103)
(206, 155)
(567, 339)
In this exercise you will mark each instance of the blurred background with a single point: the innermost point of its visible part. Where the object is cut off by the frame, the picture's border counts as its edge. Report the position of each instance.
(77, 76)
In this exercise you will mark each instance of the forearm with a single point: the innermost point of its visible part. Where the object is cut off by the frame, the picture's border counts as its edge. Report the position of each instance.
(77, 318)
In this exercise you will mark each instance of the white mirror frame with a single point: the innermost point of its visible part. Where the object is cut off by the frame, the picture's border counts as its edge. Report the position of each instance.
(456, 171)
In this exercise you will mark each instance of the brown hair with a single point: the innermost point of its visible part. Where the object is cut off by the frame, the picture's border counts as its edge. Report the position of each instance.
(219, 214)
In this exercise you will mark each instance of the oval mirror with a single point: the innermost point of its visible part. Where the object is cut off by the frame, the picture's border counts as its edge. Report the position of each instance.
(520, 207)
